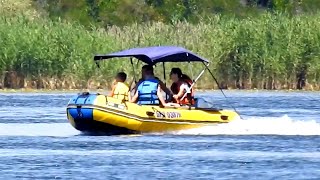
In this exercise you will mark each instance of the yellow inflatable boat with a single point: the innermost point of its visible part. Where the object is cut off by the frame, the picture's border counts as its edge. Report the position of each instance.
(97, 113)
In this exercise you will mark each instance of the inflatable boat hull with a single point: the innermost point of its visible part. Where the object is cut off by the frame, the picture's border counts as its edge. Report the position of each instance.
(94, 113)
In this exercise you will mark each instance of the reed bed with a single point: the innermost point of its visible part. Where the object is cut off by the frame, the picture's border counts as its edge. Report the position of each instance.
(270, 51)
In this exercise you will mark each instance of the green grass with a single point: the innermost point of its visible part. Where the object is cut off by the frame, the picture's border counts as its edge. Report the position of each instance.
(267, 51)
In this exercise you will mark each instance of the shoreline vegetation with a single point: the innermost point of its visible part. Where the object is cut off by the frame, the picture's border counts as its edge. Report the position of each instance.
(271, 51)
(106, 91)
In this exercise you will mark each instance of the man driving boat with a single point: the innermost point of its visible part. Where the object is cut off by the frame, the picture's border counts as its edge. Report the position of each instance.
(148, 91)
(146, 68)
(149, 69)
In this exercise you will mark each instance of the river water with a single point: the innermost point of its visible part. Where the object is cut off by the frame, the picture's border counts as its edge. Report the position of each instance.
(278, 138)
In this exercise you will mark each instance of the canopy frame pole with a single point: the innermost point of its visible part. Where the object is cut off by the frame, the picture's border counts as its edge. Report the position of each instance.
(190, 69)
(132, 88)
(216, 81)
(97, 63)
(134, 75)
(164, 77)
(194, 82)
(134, 72)
(164, 73)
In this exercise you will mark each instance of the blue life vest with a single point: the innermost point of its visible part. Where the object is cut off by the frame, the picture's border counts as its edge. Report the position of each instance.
(147, 92)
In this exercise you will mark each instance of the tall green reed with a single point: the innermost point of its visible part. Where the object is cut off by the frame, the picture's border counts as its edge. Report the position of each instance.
(267, 51)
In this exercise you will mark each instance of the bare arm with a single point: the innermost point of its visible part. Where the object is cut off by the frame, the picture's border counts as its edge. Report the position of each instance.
(164, 88)
(134, 98)
(112, 91)
(129, 96)
(114, 84)
(180, 93)
(159, 94)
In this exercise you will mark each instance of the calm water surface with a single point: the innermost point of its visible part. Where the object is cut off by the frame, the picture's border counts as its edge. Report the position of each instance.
(279, 138)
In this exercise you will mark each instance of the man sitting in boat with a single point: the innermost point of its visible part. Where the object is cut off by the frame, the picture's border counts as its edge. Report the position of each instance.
(148, 91)
(181, 87)
(120, 89)
(149, 68)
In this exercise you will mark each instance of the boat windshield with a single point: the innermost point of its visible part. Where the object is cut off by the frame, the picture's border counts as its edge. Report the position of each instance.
(204, 103)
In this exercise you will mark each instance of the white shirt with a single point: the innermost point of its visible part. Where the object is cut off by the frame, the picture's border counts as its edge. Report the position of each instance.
(185, 87)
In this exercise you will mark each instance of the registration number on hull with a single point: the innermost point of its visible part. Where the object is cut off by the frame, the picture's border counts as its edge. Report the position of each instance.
(168, 115)
(118, 106)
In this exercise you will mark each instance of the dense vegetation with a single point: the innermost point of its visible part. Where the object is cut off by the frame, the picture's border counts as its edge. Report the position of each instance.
(123, 12)
(271, 50)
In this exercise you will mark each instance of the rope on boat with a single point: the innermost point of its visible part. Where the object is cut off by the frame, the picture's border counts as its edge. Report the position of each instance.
(222, 91)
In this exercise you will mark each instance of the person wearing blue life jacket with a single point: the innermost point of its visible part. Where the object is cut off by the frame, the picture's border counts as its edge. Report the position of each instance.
(149, 69)
(148, 91)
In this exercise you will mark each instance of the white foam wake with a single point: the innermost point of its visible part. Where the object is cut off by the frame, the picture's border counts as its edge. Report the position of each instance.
(250, 126)
(38, 129)
(260, 126)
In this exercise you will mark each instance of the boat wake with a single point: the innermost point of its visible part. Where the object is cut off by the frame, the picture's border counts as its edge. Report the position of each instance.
(250, 126)
(38, 129)
(259, 126)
